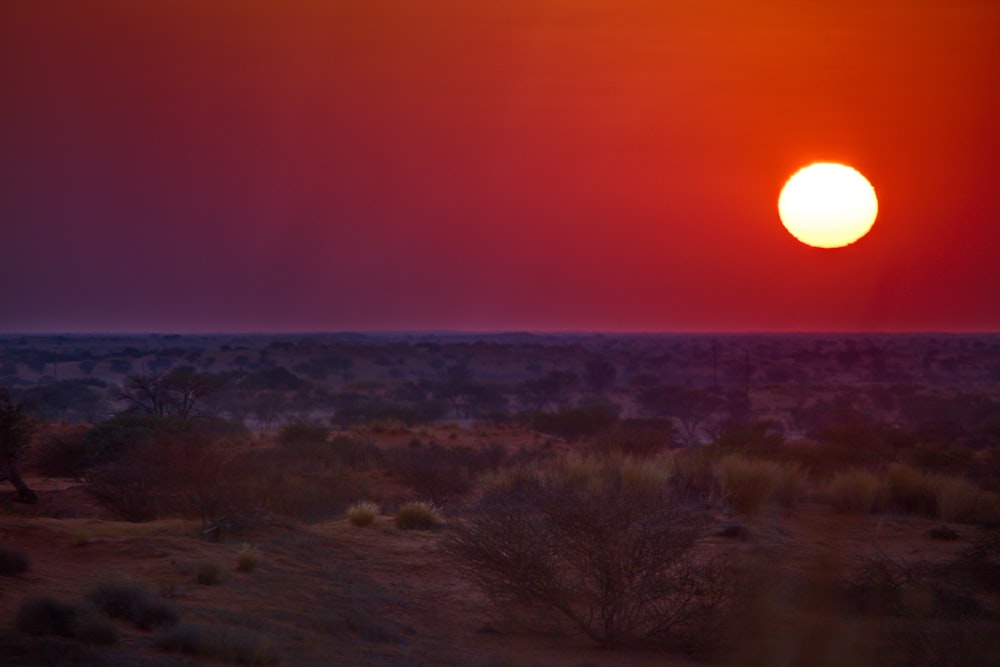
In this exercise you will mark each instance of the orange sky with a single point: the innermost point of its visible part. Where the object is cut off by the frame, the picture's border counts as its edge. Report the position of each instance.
(211, 165)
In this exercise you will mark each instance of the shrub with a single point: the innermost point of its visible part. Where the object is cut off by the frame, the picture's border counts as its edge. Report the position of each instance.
(911, 491)
(228, 645)
(363, 513)
(961, 501)
(746, 483)
(637, 437)
(790, 483)
(443, 474)
(417, 516)
(208, 573)
(247, 558)
(128, 489)
(616, 556)
(47, 616)
(62, 454)
(12, 562)
(133, 603)
(695, 469)
(854, 491)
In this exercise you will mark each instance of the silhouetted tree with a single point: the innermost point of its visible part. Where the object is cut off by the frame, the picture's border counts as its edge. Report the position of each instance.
(16, 429)
(691, 408)
(167, 394)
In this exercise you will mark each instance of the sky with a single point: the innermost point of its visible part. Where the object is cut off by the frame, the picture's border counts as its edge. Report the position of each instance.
(551, 165)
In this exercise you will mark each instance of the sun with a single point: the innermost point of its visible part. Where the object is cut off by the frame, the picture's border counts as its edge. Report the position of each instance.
(828, 205)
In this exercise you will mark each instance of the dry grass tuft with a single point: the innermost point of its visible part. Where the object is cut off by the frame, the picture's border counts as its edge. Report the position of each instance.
(962, 501)
(790, 484)
(363, 513)
(418, 516)
(854, 491)
(236, 646)
(910, 491)
(247, 558)
(132, 602)
(46, 616)
(746, 484)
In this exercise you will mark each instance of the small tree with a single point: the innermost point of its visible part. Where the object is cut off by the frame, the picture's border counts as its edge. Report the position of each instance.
(603, 543)
(16, 430)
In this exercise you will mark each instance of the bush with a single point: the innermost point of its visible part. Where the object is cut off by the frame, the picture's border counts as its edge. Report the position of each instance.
(228, 645)
(637, 437)
(12, 562)
(247, 558)
(363, 513)
(854, 491)
(47, 616)
(961, 501)
(208, 573)
(746, 483)
(614, 554)
(133, 603)
(911, 491)
(444, 474)
(790, 483)
(128, 488)
(417, 516)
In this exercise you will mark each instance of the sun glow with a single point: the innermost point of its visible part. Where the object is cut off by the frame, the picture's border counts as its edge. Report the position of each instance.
(828, 205)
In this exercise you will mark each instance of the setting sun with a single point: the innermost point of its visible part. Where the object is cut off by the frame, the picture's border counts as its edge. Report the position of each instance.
(828, 205)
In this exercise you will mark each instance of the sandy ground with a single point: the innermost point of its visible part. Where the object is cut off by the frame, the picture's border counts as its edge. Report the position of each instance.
(331, 593)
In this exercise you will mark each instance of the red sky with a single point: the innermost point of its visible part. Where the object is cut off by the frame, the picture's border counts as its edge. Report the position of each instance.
(248, 165)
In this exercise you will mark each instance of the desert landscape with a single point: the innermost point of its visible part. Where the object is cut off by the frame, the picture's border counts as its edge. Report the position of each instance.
(507, 499)
(521, 333)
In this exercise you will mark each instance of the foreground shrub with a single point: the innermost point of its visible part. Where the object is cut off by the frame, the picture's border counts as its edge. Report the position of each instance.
(133, 603)
(12, 562)
(615, 555)
(910, 491)
(790, 483)
(746, 483)
(47, 616)
(417, 516)
(854, 491)
(237, 646)
(362, 514)
(443, 474)
(208, 573)
(248, 558)
(962, 501)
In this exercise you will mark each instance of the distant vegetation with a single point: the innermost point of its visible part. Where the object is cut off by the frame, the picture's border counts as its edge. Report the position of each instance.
(611, 485)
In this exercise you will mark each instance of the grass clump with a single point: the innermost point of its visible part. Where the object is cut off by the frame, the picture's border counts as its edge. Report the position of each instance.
(363, 513)
(418, 515)
(911, 491)
(247, 558)
(227, 645)
(962, 501)
(46, 616)
(208, 573)
(133, 603)
(746, 483)
(790, 484)
(12, 562)
(854, 491)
